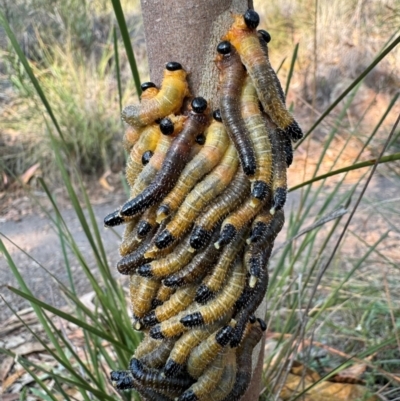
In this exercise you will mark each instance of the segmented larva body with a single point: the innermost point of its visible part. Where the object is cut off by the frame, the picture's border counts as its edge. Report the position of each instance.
(266, 227)
(147, 222)
(206, 190)
(164, 293)
(237, 220)
(279, 178)
(132, 134)
(178, 302)
(141, 295)
(215, 280)
(255, 124)
(168, 100)
(147, 142)
(244, 363)
(183, 347)
(176, 158)
(217, 141)
(157, 357)
(196, 269)
(244, 38)
(222, 303)
(207, 351)
(232, 75)
(145, 347)
(207, 382)
(229, 200)
(228, 378)
(173, 262)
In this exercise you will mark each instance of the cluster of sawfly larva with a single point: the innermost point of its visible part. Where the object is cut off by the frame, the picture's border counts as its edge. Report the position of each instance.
(206, 199)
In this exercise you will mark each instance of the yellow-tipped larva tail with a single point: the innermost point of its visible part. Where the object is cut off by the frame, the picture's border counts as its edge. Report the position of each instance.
(191, 250)
(160, 217)
(151, 253)
(254, 202)
(253, 281)
(272, 210)
(248, 241)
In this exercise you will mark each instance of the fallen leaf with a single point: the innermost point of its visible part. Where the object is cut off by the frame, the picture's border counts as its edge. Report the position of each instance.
(12, 379)
(104, 183)
(5, 367)
(26, 177)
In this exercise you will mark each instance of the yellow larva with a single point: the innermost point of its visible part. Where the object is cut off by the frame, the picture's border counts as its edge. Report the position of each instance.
(168, 100)
(142, 295)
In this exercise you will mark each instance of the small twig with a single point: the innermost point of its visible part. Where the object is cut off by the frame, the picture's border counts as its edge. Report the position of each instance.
(327, 218)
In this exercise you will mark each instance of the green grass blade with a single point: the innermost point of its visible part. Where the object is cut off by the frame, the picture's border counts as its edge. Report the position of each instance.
(24, 62)
(291, 69)
(68, 317)
(368, 163)
(117, 68)
(119, 14)
(350, 87)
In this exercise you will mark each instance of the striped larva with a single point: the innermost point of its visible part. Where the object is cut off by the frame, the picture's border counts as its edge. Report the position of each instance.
(215, 280)
(229, 200)
(130, 241)
(237, 220)
(163, 295)
(207, 351)
(147, 142)
(211, 186)
(147, 222)
(255, 299)
(232, 75)
(256, 260)
(222, 303)
(145, 347)
(173, 262)
(178, 301)
(154, 379)
(168, 100)
(183, 347)
(132, 134)
(170, 127)
(266, 227)
(254, 122)
(279, 176)
(244, 38)
(244, 362)
(228, 377)
(207, 382)
(157, 357)
(142, 296)
(196, 269)
(175, 160)
(209, 156)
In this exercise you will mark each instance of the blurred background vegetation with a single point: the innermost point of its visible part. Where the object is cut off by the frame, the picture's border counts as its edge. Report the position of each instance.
(320, 49)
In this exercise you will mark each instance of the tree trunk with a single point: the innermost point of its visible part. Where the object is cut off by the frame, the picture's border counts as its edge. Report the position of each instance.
(188, 31)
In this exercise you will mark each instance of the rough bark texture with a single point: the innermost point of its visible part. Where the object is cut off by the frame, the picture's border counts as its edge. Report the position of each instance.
(188, 31)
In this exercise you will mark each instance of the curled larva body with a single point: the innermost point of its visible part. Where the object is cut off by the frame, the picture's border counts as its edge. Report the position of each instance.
(247, 44)
(217, 141)
(171, 327)
(146, 176)
(130, 240)
(232, 75)
(168, 100)
(178, 302)
(157, 357)
(208, 350)
(170, 264)
(279, 176)
(222, 303)
(175, 160)
(183, 347)
(237, 220)
(142, 296)
(267, 226)
(244, 363)
(153, 378)
(256, 296)
(228, 377)
(254, 122)
(215, 280)
(207, 382)
(145, 347)
(147, 141)
(229, 200)
(196, 269)
(164, 293)
(206, 190)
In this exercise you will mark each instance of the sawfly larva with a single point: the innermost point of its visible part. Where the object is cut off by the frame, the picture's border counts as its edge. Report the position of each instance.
(244, 38)
(157, 357)
(209, 156)
(142, 296)
(232, 75)
(168, 100)
(175, 160)
(228, 377)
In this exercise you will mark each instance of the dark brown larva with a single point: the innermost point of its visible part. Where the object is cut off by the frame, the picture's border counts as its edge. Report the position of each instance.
(157, 357)
(232, 75)
(177, 156)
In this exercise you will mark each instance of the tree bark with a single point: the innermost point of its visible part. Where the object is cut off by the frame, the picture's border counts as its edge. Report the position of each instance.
(188, 31)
